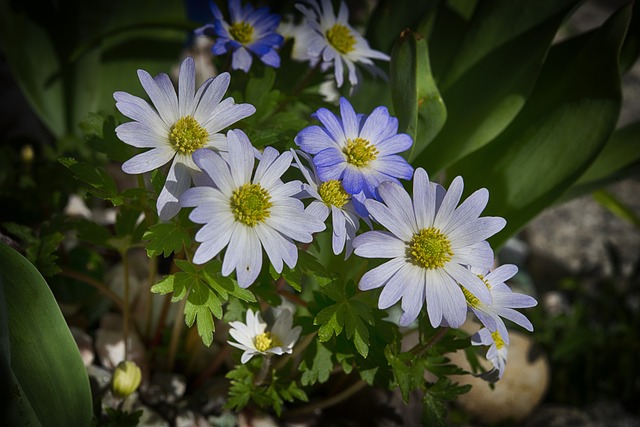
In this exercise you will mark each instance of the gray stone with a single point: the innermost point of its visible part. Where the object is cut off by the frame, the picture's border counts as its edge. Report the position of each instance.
(164, 387)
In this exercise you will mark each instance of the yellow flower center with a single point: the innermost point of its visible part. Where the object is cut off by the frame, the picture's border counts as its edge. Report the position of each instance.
(186, 135)
(497, 339)
(341, 39)
(360, 152)
(242, 32)
(430, 248)
(250, 204)
(266, 341)
(333, 193)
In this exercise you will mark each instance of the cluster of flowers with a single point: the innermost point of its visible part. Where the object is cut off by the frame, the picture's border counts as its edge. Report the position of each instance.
(437, 249)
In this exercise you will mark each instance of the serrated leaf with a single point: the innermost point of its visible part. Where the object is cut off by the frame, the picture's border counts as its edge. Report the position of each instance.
(408, 372)
(166, 238)
(101, 184)
(202, 304)
(225, 286)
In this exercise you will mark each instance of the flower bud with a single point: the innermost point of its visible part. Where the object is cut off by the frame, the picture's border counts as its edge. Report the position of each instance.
(126, 378)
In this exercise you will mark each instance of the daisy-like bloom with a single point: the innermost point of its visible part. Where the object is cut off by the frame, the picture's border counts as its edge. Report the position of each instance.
(359, 150)
(497, 352)
(246, 213)
(333, 42)
(504, 300)
(250, 31)
(331, 198)
(430, 241)
(176, 127)
(253, 338)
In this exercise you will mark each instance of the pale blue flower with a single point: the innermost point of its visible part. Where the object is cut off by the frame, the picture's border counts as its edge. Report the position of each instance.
(251, 31)
(246, 211)
(331, 198)
(504, 300)
(176, 127)
(331, 41)
(359, 150)
(431, 241)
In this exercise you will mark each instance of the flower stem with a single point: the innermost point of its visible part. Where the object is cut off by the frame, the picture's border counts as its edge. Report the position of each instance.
(126, 315)
(264, 371)
(85, 278)
(334, 400)
(419, 350)
(176, 332)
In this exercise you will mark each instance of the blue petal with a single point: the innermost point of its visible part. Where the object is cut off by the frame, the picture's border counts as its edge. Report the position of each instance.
(353, 180)
(271, 59)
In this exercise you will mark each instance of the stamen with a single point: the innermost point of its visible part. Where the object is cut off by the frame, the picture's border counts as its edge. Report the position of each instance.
(430, 248)
(341, 39)
(186, 135)
(471, 299)
(497, 339)
(250, 204)
(333, 193)
(360, 152)
(266, 341)
(242, 32)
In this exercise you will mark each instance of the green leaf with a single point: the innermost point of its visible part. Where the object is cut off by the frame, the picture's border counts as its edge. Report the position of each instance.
(225, 286)
(166, 238)
(416, 99)
(164, 286)
(39, 249)
(316, 364)
(100, 133)
(101, 184)
(559, 133)
(40, 359)
(492, 74)
(408, 372)
(201, 306)
(348, 313)
(616, 207)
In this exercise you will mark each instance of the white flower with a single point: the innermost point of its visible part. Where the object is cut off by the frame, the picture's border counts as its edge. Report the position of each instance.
(252, 338)
(430, 241)
(176, 127)
(331, 40)
(504, 300)
(331, 197)
(497, 352)
(246, 213)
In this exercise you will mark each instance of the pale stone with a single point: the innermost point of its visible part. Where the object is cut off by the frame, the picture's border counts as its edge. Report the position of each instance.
(517, 394)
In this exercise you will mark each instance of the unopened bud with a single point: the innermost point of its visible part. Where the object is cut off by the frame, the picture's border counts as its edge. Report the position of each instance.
(126, 378)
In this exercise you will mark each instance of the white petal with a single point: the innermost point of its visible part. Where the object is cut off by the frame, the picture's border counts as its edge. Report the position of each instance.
(380, 275)
(178, 180)
(379, 244)
(400, 204)
(449, 203)
(241, 157)
(148, 161)
(186, 87)
(162, 94)
(423, 199)
(218, 170)
(385, 217)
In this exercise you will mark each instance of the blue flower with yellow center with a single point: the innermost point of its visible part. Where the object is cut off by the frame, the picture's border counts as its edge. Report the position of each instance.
(251, 31)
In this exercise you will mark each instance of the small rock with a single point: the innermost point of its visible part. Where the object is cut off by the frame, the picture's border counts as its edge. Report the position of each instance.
(110, 343)
(254, 420)
(190, 419)
(85, 345)
(520, 390)
(560, 416)
(99, 376)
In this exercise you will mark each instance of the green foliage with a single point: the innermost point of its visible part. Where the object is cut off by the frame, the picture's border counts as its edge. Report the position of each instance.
(271, 395)
(206, 290)
(100, 183)
(316, 364)
(350, 312)
(39, 360)
(166, 238)
(120, 418)
(40, 248)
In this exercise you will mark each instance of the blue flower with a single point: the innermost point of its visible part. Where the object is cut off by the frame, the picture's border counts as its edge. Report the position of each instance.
(251, 31)
(359, 150)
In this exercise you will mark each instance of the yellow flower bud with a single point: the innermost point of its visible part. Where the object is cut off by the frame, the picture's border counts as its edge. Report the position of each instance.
(126, 378)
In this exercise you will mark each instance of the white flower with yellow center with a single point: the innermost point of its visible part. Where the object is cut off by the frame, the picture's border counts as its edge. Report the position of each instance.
(177, 126)
(504, 301)
(497, 352)
(334, 42)
(431, 241)
(247, 214)
(253, 338)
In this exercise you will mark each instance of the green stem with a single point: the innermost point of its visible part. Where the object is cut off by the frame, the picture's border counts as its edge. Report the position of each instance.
(419, 350)
(126, 314)
(264, 371)
(153, 272)
(175, 336)
(334, 400)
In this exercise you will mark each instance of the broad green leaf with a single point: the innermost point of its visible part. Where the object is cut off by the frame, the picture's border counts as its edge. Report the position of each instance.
(44, 362)
(316, 365)
(559, 133)
(631, 47)
(618, 157)
(492, 75)
(418, 105)
(166, 238)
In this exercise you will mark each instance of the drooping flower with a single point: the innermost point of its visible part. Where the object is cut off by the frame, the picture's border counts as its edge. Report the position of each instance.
(251, 31)
(430, 241)
(253, 338)
(331, 198)
(333, 42)
(359, 150)
(497, 352)
(504, 300)
(176, 127)
(247, 214)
